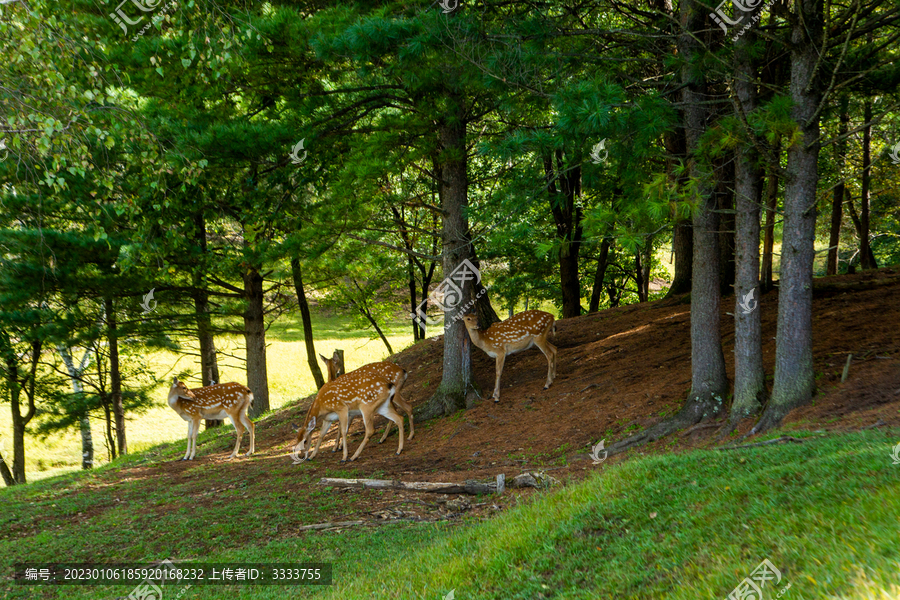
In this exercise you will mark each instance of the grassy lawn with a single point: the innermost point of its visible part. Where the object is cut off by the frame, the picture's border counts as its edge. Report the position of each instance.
(826, 513)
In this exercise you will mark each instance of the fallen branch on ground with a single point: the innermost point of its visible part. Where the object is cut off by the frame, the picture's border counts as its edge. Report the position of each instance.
(469, 487)
(784, 438)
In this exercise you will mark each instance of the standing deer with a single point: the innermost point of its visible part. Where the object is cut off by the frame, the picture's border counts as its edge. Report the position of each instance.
(388, 370)
(517, 333)
(346, 397)
(231, 400)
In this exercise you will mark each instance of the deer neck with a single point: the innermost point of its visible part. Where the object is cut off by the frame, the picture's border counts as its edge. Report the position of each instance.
(479, 340)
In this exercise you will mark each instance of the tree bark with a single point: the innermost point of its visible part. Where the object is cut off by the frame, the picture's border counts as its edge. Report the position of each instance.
(837, 201)
(749, 375)
(771, 204)
(867, 259)
(794, 374)
(453, 194)
(683, 249)
(255, 340)
(568, 219)
(306, 319)
(857, 225)
(75, 374)
(709, 383)
(8, 478)
(725, 202)
(115, 376)
(602, 263)
(16, 385)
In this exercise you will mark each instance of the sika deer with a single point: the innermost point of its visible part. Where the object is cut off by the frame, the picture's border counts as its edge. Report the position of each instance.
(349, 395)
(517, 333)
(231, 400)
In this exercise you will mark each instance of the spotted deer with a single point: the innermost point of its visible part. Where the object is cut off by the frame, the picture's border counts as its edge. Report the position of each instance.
(388, 370)
(517, 333)
(231, 400)
(348, 396)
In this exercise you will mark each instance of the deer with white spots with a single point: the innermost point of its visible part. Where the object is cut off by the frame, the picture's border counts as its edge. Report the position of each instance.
(231, 400)
(388, 370)
(517, 333)
(350, 395)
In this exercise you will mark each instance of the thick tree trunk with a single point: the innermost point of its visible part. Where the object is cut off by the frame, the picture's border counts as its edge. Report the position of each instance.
(453, 193)
(867, 259)
(683, 249)
(306, 319)
(769, 237)
(837, 201)
(255, 340)
(794, 374)
(725, 201)
(749, 375)
(599, 275)
(709, 383)
(115, 376)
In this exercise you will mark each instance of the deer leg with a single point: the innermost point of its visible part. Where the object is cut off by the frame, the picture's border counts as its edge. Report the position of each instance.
(370, 429)
(187, 452)
(326, 425)
(248, 423)
(549, 351)
(406, 407)
(240, 433)
(389, 412)
(340, 440)
(501, 359)
(196, 432)
(345, 424)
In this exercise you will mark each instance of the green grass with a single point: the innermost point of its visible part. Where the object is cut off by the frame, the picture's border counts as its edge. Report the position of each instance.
(826, 513)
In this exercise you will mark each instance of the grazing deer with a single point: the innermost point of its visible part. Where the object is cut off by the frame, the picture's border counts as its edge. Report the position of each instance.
(231, 400)
(345, 397)
(517, 333)
(388, 370)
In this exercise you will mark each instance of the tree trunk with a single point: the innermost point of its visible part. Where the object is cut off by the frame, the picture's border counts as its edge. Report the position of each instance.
(857, 224)
(725, 202)
(646, 264)
(771, 204)
(567, 217)
(837, 201)
(794, 374)
(453, 193)
(709, 383)
(110, 438)
(867, 259)
(8, 478)
(602, 264)
(749, 375)
(15, 386)
(115, 377)
(209, 364)
(306, 318)
(75, 374)
(255, 340)
(411, 278)
(639, 275)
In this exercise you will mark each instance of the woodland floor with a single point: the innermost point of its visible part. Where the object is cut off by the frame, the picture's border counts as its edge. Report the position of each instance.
(619, 371)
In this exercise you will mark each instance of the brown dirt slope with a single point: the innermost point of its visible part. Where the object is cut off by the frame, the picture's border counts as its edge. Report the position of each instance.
(624, 369)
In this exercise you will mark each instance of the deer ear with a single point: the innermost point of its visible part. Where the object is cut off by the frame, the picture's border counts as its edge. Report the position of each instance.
(174, 381)
(323, 358)
(312, 424)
